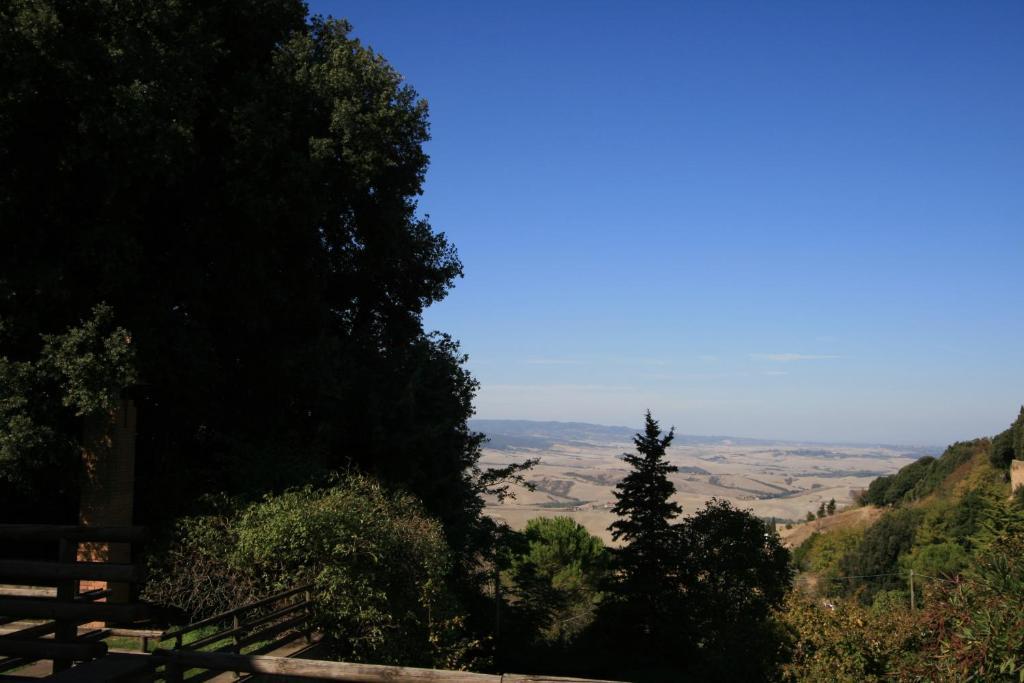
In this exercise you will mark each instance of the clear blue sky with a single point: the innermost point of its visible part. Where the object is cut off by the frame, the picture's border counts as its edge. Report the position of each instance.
(789, 219)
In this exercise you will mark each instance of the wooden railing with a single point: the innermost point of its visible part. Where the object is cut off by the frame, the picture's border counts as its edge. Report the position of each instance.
(265, 624)
(66, 608)
(292, 667)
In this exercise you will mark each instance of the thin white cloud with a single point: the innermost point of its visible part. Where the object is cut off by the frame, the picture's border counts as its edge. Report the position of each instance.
(789, 357)
(553, 361)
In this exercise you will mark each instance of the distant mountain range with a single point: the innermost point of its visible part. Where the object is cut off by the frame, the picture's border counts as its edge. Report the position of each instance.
(513, 434)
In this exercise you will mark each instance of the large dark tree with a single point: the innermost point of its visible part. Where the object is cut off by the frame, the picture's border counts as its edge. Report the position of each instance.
(237, 184)
(735, 572)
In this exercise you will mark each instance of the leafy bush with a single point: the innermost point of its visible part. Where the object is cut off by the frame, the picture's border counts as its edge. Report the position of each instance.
(197, 572)
(378, 564)
(978, 621)
(877, 554)
(848, 643)
(822, 554)
(891, 489)
(1009, 444)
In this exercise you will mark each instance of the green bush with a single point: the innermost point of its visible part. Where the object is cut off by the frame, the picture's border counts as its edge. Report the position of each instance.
(876, 556)
(378, 564)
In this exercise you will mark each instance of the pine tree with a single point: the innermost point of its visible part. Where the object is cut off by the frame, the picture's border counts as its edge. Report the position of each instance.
(831, 507)
(821, 510)
(644, 504)
(646, 584)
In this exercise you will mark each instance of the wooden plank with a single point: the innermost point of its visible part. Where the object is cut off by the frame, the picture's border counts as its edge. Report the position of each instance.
(72, 532)
(534, 678)
(57, 571)
(285, 611)
(41, 608)
(110, 668)
(274, 630)
(51, 649)
(67, 589)
(313, 668)
(133, 632)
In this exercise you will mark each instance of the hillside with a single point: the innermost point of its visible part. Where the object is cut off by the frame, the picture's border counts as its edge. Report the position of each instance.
(853, 518)
(931, 517)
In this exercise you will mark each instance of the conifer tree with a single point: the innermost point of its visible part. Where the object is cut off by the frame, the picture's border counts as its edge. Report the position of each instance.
(831, 507)
(643, 497)
(649, 559)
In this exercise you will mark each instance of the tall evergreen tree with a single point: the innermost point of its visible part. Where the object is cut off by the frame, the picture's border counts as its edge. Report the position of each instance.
(647, 562)
(643, 497)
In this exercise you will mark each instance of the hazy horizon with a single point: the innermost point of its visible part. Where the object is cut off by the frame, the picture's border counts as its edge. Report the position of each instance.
(749, 437)
(790, 220)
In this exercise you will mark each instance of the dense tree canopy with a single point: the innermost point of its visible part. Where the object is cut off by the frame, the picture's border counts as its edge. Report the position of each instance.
(237, 185)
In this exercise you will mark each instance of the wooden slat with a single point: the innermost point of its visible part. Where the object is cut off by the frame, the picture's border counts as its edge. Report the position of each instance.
(41, 608)
(133, 632)
(313, 668)
(71, 532)
(283, 612)
(224, 616)
(57, 571)
(50, 649)
(271, 631)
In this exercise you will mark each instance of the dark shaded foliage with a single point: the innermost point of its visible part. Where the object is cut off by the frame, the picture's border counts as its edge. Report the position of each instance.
(923, 476)
(879, 551)
(1009, 444)
(240, 186)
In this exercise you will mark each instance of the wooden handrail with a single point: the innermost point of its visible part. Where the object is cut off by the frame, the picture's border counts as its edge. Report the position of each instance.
(178, 660)
(60, 571)
(50, 649)
(45, 608)
(223, 616)
(72, 532)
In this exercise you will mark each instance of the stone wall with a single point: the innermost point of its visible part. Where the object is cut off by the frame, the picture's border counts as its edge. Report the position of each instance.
(1016, 474)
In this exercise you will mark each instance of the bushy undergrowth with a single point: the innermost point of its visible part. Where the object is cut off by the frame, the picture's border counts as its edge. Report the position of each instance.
(379, 568)
(970, 628)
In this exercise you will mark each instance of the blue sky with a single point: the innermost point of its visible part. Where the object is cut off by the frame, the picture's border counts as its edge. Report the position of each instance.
(799, 220)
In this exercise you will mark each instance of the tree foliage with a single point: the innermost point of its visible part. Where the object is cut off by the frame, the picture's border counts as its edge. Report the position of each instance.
(559, 569)
(736, 574)
(239, 184)
(1009, 444)
(380, 568)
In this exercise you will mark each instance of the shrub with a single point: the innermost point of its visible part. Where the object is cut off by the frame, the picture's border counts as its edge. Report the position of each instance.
(848, 643)
(379, 567)
(196, 572)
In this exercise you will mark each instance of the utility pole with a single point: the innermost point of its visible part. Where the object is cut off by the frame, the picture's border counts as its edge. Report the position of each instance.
(913, 606)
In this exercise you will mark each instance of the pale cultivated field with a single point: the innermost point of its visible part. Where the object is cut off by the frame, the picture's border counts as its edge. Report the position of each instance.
(784, 481)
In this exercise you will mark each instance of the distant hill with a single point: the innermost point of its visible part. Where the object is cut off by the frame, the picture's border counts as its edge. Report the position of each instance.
(512, 434)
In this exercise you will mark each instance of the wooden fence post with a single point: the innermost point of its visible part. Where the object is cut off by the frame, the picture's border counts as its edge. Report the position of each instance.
(67, 629)
(308, 596)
